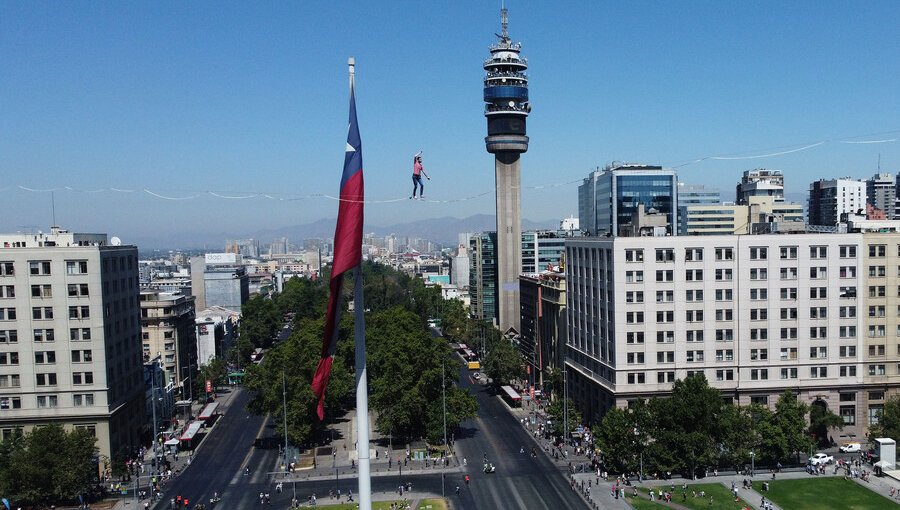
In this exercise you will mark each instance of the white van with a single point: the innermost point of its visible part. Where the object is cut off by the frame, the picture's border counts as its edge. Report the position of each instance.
(851, 447)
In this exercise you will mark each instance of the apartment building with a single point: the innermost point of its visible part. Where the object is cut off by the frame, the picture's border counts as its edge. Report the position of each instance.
(880, 254)
(168, 333)
(756, 314)
(70, 350)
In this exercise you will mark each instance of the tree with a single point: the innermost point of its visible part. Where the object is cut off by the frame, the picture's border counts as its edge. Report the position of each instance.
(557, 413)
(739, 436)
(888, 424)
(820, 420)
(214, 371)
(48, 465)
(304, 297)
(260, 321)
(503, 362)
(790, 420)
(686, 429)
(622, 437)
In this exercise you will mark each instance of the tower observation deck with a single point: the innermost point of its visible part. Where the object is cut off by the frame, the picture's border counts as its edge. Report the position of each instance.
(506, 108)
(506, 94)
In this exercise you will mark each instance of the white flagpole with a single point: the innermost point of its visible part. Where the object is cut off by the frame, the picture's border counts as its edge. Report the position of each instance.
(362, 395)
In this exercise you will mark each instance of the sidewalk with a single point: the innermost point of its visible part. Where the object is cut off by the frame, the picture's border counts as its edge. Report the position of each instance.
(181, 460)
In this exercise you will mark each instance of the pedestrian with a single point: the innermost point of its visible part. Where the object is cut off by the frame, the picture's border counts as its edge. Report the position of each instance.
(418, 172)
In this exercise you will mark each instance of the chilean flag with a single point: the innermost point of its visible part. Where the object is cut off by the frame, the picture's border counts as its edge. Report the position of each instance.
(347, 250)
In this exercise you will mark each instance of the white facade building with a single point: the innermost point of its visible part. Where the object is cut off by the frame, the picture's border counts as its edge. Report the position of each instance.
(756, 314)
(70, 347)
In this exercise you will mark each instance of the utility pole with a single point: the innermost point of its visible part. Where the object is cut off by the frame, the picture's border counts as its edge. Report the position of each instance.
(565, 409)
(284, 404)
(444, 397)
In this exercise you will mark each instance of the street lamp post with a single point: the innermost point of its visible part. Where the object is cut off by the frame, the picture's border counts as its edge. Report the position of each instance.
(752, 465)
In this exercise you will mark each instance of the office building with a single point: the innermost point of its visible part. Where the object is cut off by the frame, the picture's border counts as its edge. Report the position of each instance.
(216, 332)
(543, 316)
(70, 337)
(608, 198)
(693, 194)
(756, 314)
(167, 333)
(225, 281)
(882, 195)
(760, 214)
(829, 199)
(760, 183)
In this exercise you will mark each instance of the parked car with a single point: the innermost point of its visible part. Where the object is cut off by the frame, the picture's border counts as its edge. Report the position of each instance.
(851, 447)
(821, 458)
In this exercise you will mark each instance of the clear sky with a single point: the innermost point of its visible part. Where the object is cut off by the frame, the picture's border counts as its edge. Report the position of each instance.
(237, 98)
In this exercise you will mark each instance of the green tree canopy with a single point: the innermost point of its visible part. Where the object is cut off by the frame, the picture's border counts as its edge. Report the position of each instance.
(888, 421)
(260, 321)
(503, 361)
(47, 466)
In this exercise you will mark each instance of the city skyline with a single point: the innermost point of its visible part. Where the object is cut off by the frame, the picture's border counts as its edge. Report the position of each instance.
(249, 103)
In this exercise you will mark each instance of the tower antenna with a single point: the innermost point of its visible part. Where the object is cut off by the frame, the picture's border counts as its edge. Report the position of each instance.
(504, 22)
(53, 209)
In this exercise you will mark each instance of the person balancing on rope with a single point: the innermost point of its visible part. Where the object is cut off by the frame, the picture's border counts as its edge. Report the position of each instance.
(418, 172)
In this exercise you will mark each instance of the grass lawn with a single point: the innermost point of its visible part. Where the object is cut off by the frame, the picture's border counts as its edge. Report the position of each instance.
(721, 498)
(833, 493)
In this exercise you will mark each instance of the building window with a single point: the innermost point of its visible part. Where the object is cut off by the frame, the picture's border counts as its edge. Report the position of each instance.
(39, 267)
(665, 357)
(847, 272)
(9, 358)
(847, 251)
(76, 267)
(7, 269)
(818, 332)
(759, 314)
(759, 334)
(694, 356)
(665, 316)
(847, 331)
(848, 370)
(80, 333)
(758, 273)
(818, 352)
(694, 315)
(45, 357)
(665, 255)
(693, 275)
(635, 358)
(725, 375)
(724, 254)
(724, 314)
(788, 252)
(848, 311)
(82, 378)
(724, 275)
(788, 273)
(725, 355)
(9, 336)
(45, 379)
(665, 377)
(724, 335)
(83, 399)
(848, 414)
(665, 336)
(877, 272)
(759, 253)
(788, 373)
(79, 312)
(877, 250)
(634, 255)
(788, 333)
(788, 314)
(693, 254)
(789, 293)
(7, 314)
(759, 294)
(10, 381)
(636, 378)
(694, 335)
(47, 401)
(818, 292)
(635, 337)
(759, 354)
(78, 289)
(818, 372)
(818, 312)
(634, 276)
(693, 295)
(665, 296)
(724, 294)
(634, 317)
(759, 374)
(665, 275)
(630, 297)
(41, 291)
(818, 272)
(876, 395)
(818, 252)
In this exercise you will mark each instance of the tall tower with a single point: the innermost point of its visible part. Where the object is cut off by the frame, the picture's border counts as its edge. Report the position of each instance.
(506, 108)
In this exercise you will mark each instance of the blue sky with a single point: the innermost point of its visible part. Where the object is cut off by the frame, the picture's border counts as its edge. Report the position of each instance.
(181, 98)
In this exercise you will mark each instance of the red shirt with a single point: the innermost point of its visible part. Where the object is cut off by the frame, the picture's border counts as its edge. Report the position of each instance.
(417, 168)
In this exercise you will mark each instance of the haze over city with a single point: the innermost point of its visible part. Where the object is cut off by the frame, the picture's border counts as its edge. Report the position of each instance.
(190, 118)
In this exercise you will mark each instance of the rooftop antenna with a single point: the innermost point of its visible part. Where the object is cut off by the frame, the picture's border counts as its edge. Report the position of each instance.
(504, 21)
(879, 162)
(53, 210)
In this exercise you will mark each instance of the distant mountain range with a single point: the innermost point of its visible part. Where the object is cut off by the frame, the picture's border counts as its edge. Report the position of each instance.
(439, 230)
